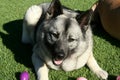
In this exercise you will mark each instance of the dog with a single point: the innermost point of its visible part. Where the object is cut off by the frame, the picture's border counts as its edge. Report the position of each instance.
(108, 12)
(61, 39)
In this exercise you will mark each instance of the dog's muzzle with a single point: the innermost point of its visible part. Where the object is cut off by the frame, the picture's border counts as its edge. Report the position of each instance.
(58, 58)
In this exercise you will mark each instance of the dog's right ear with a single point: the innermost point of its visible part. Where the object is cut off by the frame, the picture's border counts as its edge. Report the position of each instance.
(54, 9)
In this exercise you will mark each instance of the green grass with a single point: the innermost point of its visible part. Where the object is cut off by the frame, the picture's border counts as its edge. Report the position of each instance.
(15, 57)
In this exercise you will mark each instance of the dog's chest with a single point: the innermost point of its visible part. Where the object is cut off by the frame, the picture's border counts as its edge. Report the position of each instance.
(74, 63)
(69, 64)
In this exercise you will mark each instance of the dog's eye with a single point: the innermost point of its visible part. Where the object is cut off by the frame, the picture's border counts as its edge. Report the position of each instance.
(71, 39)
(52, 37)
(56, 35)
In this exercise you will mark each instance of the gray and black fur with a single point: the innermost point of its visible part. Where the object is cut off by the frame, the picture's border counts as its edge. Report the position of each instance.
(61, 37)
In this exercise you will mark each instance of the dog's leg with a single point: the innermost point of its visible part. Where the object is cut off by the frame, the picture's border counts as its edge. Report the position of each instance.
(40, 68)
(30, 20)
(92, 64)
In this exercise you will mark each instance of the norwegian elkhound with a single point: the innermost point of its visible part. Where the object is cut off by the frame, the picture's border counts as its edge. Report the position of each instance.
(61, 38)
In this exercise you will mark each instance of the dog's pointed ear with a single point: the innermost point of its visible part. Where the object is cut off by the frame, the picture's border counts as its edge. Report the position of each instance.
(54, 9)
(84, 19)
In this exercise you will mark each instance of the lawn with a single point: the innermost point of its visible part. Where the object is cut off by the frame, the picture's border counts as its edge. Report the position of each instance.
(15, 57)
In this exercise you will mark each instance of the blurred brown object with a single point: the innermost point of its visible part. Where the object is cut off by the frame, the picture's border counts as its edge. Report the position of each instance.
(109, 13)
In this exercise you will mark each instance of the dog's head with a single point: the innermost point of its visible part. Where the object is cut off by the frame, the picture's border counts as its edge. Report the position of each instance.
(62, 34)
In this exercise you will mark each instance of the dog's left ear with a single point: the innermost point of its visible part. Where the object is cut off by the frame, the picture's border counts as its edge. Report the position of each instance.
(54, 9)
(84, 19)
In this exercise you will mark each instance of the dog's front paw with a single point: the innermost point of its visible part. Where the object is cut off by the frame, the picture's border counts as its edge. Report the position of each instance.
(102, 74)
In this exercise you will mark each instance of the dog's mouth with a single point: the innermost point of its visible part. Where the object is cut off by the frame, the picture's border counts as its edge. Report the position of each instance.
(58, 59)
(57, 62)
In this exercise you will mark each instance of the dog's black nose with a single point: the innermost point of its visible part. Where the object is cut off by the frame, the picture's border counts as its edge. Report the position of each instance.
(60, 56)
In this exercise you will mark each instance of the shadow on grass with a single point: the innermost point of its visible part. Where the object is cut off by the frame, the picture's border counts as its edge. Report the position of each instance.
(71, 78)
(17, 75)
(12, 40)
(111, 77)
(100, 32)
